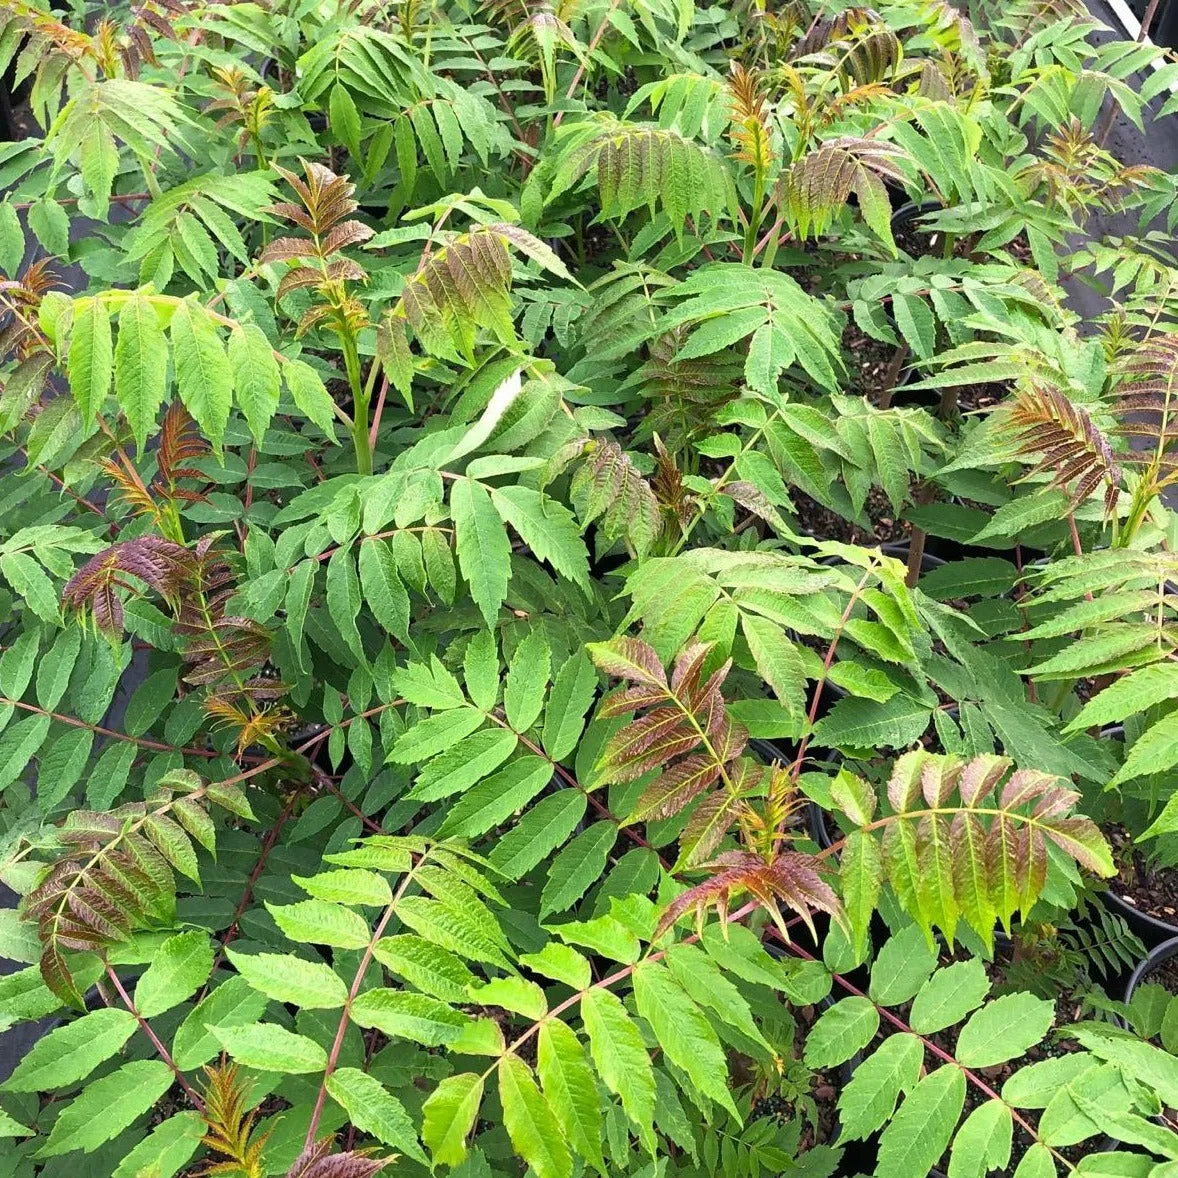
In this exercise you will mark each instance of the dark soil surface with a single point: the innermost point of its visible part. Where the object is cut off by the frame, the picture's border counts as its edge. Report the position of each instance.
(870, 361)
(1152, 890)
(824, 524)
(1165, 974)
(916, 241)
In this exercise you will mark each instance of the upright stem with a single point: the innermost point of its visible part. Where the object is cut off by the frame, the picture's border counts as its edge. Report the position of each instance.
(756, 213)
(361, 441)
(892, 375)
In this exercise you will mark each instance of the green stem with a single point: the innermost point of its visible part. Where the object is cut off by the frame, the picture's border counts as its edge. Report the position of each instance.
(756, 215)
(360, 396)
(1142, 497)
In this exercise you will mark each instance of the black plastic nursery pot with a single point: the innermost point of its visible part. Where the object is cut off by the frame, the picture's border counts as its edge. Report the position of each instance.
(1149, 964)
(1154, 931)
(1157, 934)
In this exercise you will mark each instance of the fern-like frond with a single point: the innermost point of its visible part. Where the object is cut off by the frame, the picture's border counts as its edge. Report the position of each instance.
(750, 130)
(962, 841)
(379, 69)
(854, 44)
(229, 1122)
(160, 565)
(103, 114)
(115, 872)
(818, 185)
(791, 878)
(609, 489)
(22, 340)
(1066, 441)
(1145, 401)
(324, 212)
(681, 727)
(684, 395)
(634, 165)
(318, 1161)
(462, 285)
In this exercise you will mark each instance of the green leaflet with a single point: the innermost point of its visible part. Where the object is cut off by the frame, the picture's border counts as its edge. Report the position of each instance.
(570, 1089)
(515, 994)
(166, 1149)
(180, 966)
(983, 1142)
(706, 984)
(372, 1109)
(140, 365)
(319, 923)
(876, 1084)
(901, 967)
(19, 744)
(683, 1031)
(572, 694)
(576, 867)
(948, 996)
(620, 1058)
(469, 760)
(1133, 693)
(452, 929)
(91, 357)
(560, 962)
(429, 967)
(1004, 1028)
(493, 800)
(107, 1106)
(861, 875)
(69, 1053)
(840, 1031)
(919, 1133)
(347, 886)
(204, 376)
(864, 723)
(267, 1047)
(55, 669)
(256, 376)
(310, 985)
(530, 1123)
(547, 527)
(9, 1127)
(1154, 750)
(405, 1015)
(480, 669)
(1036, 1085)
(1037, 1162)
(310, 395)
(344, 600)
(29, 582)
(383, 589)
(484, 552)
(448, 1116)
(778, 662)
(539, 831)
(527, 681)
(233, 1003)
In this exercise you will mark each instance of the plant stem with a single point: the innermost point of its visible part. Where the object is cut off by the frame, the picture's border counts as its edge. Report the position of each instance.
(161, 1050)
(892, 375)
(361, 441)
(357, 982)
(756, 213)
